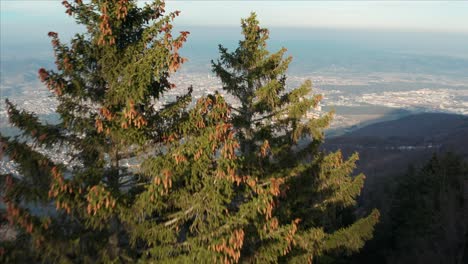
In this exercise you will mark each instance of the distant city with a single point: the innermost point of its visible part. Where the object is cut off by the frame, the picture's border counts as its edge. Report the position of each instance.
(363, 80)
(415, 93)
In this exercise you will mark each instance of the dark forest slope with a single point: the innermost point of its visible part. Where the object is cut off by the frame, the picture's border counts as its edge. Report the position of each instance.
(390, 147)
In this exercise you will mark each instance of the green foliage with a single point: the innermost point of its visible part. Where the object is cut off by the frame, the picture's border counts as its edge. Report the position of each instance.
(280, 141)
(107, 83)
(204, 184)
(428, 215)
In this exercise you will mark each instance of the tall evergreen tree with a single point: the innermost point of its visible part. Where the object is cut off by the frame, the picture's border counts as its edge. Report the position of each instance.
(92, 206)
(279, 143)
(187, 195)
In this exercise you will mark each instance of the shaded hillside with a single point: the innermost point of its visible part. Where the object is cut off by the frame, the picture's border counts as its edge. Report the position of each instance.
(420, 125)
(388, 151)
(425, 214)
(389, 147)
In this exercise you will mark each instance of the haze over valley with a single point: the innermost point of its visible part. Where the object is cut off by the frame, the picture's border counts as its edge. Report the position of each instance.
(361, 78)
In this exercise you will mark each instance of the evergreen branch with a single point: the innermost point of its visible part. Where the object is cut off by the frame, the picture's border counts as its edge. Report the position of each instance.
(353, 237)
(172, 221)
(270, 115)
(29, 123)
(236, 109)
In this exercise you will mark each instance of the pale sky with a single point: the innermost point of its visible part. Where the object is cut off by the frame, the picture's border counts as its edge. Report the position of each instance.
(422, 15)
(400, 15)
(26, 21)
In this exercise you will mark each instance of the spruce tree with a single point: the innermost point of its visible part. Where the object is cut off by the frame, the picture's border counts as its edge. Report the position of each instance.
(132, 183)
(279, 146)
(150, 183)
